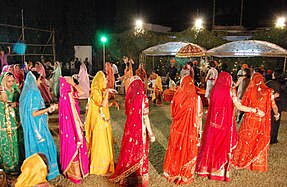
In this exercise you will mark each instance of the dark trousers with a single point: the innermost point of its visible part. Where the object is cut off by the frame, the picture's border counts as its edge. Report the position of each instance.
(274, 128)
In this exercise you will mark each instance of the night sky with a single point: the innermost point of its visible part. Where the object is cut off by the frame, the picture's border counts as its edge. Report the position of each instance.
(76, 22)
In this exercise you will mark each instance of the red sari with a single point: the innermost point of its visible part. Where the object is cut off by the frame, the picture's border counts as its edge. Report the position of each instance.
(254, 132)
(132, 165)
(181, 154)
(219, 135)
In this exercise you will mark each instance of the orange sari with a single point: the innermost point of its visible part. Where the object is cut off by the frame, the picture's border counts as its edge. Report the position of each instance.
(181, 154)
(254, 133)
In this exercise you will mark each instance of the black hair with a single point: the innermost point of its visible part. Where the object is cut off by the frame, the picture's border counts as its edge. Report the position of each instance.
(258, 70)
(212, 63)
(10, 74)
(224, 67)
(248, 73)
(36, 74)
(190, 63)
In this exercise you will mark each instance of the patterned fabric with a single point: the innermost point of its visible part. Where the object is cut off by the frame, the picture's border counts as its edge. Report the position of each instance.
(11, 133)
(98, 130)
(132, 165)
(254, 133)
(37, 137)
(181, 154)
(73, 149)
(219, 135)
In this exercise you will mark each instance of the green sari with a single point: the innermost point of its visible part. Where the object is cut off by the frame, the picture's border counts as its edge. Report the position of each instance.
(11, 134)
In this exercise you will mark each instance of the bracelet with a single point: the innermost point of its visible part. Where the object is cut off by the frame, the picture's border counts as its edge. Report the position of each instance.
(251, 110)
(256, 110)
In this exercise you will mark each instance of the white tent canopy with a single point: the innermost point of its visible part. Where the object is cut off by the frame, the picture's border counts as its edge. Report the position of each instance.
(167, 49)
(248, 48)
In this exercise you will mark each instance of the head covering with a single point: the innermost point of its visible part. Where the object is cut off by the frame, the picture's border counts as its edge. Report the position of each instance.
(37, 137)
(110, 75)
(99, 82)
(132, 155)
(34, 172)
(84, 81)
(244, 66)
(72, 140)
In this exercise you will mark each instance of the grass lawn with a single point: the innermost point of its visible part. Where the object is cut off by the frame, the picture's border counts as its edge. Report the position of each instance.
(161, 121)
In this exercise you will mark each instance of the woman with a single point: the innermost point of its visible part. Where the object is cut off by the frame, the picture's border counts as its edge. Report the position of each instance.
(219, 135)
(11, 132)
(19, 76)
(34, 118)
(254, 133)
(157, 89)
(132, 166)
(34, 172)
(110, 76)
(73, 149)
(43, 87)
(56, 80)
(186, 111)
(210, 79)
(128, 73)
(98, 128)
(84, 81)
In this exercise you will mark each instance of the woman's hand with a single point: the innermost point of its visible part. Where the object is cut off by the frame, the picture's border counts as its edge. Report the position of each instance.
(111, 90)
(152, 138)
(260, 113)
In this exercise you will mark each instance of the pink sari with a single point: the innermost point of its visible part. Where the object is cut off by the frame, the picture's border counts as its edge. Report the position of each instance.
(73, 150)
(219, 135)
(44, 89)
(132, 166)
(84, 81)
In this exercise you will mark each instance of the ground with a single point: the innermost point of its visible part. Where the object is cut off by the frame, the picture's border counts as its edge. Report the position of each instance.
(161, 121)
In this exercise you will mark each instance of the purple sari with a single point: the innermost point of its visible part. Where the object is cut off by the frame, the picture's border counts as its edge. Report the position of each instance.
(73, 150)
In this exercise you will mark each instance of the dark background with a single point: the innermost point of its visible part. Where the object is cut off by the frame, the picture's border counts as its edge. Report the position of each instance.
(79, 22)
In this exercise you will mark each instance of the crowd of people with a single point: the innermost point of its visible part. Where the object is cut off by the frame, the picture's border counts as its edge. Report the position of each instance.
(32, 91)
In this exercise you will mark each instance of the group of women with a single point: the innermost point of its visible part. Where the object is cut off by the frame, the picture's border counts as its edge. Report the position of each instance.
(25, 133)
(210, 152)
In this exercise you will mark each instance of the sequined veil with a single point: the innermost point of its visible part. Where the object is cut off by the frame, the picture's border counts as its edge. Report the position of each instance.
(132, 165)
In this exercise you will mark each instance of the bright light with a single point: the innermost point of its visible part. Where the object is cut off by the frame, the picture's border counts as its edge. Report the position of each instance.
(198, 24)
(280, 23)
(104, 39)
(139, 23)
(139, 27)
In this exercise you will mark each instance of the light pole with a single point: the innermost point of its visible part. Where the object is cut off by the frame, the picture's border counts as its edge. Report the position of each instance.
(104, 40)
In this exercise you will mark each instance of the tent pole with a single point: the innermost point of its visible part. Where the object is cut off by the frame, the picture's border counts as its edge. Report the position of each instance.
(284, 68)
(152, 62)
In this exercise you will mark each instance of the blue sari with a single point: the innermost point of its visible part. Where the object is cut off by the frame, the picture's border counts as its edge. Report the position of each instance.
(37, 137)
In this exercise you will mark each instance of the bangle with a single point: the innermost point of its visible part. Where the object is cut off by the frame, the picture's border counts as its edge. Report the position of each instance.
(256, 110)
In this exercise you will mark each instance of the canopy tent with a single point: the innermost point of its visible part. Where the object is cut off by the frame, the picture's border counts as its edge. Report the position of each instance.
(248, 48)
(191, 50)
(167, 49)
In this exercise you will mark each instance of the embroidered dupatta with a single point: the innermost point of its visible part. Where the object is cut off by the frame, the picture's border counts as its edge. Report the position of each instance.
(133, 159)
(219, 135)
(254, 132)
(181, 154)
(73, 150)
